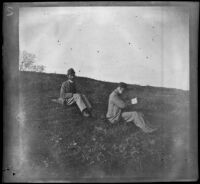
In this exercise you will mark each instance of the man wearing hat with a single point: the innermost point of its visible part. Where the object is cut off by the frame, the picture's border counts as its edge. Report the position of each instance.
(69, 96)
(116, 108)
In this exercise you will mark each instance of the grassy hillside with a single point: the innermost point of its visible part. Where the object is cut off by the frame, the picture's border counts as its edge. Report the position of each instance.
(60, 144)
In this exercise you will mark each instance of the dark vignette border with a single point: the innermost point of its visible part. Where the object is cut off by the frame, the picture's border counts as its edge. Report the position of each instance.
(11, 73)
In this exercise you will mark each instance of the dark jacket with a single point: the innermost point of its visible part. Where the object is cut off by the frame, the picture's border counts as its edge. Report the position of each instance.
(67, 89)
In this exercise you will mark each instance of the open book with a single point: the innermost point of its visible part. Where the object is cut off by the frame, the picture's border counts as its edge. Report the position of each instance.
(134, 101)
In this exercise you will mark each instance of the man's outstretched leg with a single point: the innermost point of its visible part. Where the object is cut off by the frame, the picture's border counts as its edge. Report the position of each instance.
(137, 119)
(87, 103)
(81, 104)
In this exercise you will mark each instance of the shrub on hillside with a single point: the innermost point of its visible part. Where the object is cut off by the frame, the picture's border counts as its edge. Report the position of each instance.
(27, 63)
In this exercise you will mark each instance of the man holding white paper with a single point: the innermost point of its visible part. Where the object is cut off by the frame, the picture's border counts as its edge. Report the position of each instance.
(115, 109)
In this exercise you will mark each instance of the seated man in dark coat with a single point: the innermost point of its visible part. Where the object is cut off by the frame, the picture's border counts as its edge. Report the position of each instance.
(69, 96)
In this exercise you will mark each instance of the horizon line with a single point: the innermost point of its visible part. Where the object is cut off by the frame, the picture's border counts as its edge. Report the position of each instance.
(108, 81)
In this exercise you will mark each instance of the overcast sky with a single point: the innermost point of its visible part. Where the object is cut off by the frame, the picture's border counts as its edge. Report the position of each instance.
(137, 45)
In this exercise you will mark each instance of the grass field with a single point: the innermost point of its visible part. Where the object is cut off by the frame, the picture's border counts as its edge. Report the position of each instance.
(59, 144)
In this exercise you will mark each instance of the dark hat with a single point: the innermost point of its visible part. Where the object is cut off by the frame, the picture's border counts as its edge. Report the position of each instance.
(123, 85)
(70, 71)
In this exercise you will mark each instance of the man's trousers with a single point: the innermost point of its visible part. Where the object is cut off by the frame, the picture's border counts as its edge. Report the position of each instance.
(81, 101)
(138, 119)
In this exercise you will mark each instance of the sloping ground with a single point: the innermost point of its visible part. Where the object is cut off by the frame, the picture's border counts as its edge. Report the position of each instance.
(59, 144)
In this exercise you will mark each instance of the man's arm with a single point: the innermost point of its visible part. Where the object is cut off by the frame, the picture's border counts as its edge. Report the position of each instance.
(118, 102)
(64, 91)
